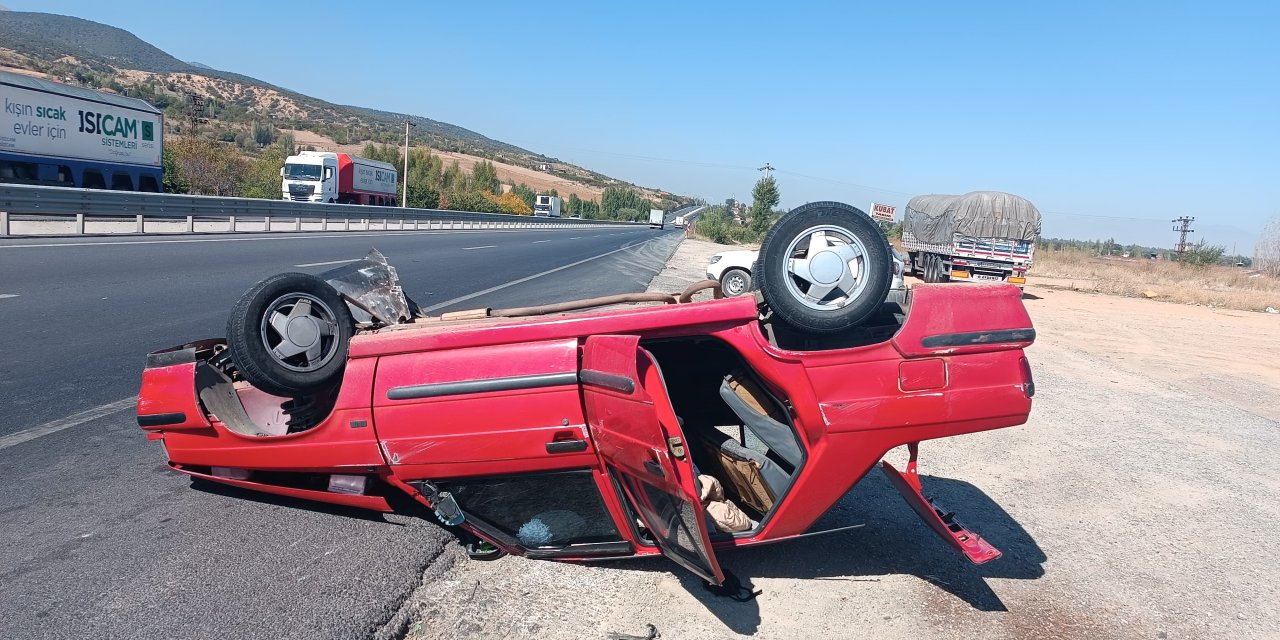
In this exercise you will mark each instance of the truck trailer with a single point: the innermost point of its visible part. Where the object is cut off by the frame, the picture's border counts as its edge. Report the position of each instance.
(657, 219)
(983, 235)
(64, 136)
(321, 176)
(547, 206)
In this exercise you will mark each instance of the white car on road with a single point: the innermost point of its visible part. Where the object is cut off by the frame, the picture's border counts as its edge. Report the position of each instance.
(733, 270)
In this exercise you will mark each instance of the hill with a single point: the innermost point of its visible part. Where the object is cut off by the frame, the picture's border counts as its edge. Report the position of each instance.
(78, 51)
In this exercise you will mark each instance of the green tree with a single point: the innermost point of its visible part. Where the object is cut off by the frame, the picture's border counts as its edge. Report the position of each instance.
(263, 133)
(615, 199)
(207, 167)
(484, 178)
(764, 197)
(574, 205)
(422, 196)
(262, 178)
(1203, 253)
(525, 193)
(174, 181)
(468, 201)
(453, 180)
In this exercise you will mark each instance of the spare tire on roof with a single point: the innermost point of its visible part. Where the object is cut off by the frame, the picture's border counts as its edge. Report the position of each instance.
(824, 267)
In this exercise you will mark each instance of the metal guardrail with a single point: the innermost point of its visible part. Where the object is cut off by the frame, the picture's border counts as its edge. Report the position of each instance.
(67, 202)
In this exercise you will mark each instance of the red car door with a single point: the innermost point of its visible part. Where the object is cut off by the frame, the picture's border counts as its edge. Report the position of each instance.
(638, 438)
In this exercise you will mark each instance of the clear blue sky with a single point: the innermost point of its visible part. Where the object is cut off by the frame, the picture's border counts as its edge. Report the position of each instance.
(1112, 117)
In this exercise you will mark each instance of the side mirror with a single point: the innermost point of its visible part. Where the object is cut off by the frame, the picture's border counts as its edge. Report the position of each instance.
(281, 172)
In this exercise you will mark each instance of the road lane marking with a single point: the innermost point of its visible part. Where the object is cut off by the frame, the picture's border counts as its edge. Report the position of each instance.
(8, 295)
(321, 264)
(528, 278)
(537, 241)
(576, 238)
(487, 246)
(73, 420)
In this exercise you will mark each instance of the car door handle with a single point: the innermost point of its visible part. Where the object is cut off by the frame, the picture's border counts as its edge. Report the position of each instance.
(567, 446)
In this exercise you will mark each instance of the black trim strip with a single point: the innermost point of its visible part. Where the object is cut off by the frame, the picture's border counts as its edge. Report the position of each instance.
(585, 549)
(482, 386)
(607, 380)
(979, 337)
(161, 419)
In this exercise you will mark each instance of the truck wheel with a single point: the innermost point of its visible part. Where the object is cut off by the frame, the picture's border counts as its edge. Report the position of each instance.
(735, 282)
(930, 268)
(824, 267)
(288, 334)
(944, 274)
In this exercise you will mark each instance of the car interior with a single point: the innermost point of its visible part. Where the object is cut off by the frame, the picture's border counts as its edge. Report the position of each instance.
(736, 431)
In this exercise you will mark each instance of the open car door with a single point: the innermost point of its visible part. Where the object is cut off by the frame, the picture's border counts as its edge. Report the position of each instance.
(639, 440)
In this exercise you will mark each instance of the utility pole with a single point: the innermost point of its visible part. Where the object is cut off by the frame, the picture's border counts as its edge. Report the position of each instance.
(766, 169)
(404, 198)
(1183, 228)
(195, 112)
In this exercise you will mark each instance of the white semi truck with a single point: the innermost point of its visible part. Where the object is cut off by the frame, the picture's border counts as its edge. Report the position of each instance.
(320, 176)
(547, 206)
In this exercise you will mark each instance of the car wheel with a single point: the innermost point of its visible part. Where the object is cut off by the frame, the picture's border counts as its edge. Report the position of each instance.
(735, 282)
(824, 267)
(930, 268)
(288, 334)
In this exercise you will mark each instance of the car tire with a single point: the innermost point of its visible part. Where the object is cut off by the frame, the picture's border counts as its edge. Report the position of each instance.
(288, 334)
(805, 272)
(735, 282)
(930, 268)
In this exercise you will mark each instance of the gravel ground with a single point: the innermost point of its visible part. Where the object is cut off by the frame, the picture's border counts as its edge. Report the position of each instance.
(1136, 503)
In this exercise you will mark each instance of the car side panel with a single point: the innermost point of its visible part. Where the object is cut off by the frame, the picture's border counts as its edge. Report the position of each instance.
(465, 412)
(343, 441)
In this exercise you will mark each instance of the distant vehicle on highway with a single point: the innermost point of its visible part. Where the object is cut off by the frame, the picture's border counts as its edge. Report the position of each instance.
(678, 222)
(321, 176)
(657, 218)
(982, 236)
(64, 136)
(547, 206)
(733, 270)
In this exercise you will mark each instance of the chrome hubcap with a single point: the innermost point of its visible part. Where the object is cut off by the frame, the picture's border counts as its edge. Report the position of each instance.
(826, 268)
(300, 331)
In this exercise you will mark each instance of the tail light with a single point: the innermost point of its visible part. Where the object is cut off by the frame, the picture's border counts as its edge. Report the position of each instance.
(1028, 383)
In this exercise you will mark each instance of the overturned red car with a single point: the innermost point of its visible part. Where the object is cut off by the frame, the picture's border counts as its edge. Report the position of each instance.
(559, 433)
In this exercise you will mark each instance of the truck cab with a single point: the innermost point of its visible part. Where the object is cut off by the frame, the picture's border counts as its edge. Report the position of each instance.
(310, 176)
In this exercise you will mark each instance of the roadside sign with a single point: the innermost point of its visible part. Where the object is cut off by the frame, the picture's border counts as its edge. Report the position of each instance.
(883, 212)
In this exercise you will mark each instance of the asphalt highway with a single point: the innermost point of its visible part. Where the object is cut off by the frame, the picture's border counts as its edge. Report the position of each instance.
(98, 539)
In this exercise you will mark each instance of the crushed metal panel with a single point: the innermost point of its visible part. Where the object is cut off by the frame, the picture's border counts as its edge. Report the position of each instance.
(372, 288)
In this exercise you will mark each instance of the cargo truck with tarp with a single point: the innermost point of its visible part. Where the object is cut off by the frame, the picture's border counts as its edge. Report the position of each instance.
(983, 235)
(64, 136)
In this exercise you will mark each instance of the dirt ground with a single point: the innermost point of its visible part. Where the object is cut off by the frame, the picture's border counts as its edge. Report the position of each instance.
(1136, 503)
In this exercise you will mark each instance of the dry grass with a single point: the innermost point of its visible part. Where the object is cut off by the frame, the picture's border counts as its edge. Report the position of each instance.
(1170, 281)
